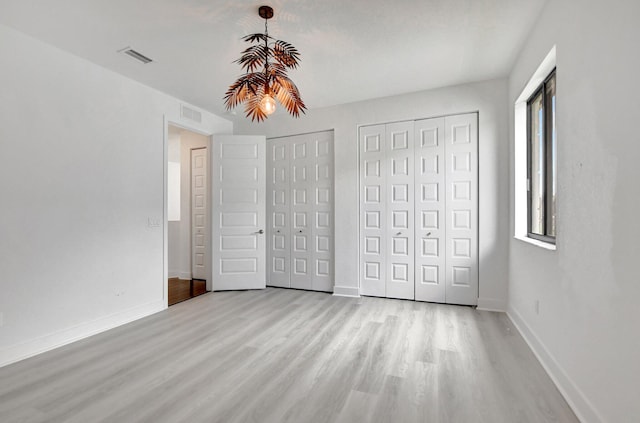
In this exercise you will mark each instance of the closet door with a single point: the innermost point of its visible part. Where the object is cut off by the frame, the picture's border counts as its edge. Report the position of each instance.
(279, 214)
(419, 210)
(322, 228)
(302, 193)
(300, 209)
(430, 239)
(400, 210)
(373, 197)
(461, 163)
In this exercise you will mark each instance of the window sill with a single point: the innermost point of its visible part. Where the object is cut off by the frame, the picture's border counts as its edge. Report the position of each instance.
(537, 243)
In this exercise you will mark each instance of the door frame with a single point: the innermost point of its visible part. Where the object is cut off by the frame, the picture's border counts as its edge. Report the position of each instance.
(189, 126)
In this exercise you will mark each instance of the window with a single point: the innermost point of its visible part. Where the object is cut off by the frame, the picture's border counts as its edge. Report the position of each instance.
(541, 161)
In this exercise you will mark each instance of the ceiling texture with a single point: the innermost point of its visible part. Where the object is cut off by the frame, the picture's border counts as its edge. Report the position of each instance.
(351, 50)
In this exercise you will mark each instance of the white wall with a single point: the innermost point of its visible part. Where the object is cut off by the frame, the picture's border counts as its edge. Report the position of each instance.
(489, 98)
(586, 332)
(81, 171)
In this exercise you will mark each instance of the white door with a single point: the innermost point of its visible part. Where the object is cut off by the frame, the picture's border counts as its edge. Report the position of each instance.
(199, 213)
(278, 214)
(430, 241)
(302, 171)
(419, 210)
(322, 219)
(238, 171)
(400, 209)
(300, 211)
(373, 190)
(461, 163)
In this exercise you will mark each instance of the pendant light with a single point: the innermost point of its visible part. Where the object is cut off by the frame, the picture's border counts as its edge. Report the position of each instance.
(265, 80)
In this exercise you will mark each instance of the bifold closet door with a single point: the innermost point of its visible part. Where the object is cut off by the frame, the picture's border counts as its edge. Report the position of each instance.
(419, 209)
(302, 197)
(373, 197)
(400, 210)
(278, 213)
(447, 209)
(387, 210)
(322, 231)
(430, 191)
(461, 205)
(300, 210)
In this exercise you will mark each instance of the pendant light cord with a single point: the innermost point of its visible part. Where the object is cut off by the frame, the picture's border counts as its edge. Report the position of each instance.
(266, 57)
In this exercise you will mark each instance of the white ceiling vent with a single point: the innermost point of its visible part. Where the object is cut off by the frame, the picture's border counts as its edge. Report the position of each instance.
(189, 113)
(136, 55)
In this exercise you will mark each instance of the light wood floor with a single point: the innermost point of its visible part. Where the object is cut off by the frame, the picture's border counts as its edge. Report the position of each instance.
(290, 356)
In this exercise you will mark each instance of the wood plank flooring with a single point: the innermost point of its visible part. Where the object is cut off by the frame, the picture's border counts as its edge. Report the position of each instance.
(184, 289)
(290, 356)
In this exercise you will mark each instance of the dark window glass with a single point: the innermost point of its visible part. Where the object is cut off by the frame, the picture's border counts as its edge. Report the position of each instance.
(541, 160)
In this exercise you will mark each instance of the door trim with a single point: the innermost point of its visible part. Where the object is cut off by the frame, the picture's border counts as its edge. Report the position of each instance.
(177, 122)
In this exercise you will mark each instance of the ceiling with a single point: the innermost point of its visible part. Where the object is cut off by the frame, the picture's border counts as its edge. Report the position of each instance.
(351, 50)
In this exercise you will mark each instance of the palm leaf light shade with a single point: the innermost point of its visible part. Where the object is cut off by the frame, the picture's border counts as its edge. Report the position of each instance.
(265, 64)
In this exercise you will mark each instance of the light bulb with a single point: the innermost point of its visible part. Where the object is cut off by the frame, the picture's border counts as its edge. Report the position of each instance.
(268, 104)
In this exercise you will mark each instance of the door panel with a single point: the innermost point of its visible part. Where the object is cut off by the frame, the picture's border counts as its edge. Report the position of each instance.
(302, 193)
(238, 212)
(278, 214)
(373, 194)
(461, 163)
(430, 242)
(400, 210)
(322, 223)
(199, 213)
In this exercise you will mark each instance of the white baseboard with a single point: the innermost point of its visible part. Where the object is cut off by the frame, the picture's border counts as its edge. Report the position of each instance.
(174, 274)
(581, 406)
(346, 291)
(57, 339)
(492, 304)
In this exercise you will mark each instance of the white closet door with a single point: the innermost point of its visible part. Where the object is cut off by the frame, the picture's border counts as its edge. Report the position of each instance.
(461, 135)
(238, 176)
(430, 240)
(300, 210)
(322, 225)
(400, 210)
(278, 214)
(302, 193)
(199, 213)
(373, 248)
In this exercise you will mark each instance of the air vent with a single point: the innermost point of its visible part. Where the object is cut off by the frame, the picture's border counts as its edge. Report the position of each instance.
(136, 55)
(189, 113)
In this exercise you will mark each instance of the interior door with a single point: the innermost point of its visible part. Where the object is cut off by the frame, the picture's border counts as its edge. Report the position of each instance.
(373, 246)
(199, 213)
(461, 163)
(278, 214)
(322, 219)
(302, 171)
(400, 210)
(238, 171)
(430, 241)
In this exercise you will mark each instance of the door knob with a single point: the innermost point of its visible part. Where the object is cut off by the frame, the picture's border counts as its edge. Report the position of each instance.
(300, 231)
(399, 233)
(278, 231)
(260, 231)
(428, 233)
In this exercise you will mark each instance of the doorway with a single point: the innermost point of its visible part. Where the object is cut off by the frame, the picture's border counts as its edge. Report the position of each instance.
(188, 208)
